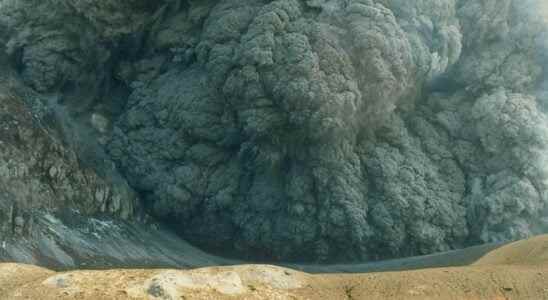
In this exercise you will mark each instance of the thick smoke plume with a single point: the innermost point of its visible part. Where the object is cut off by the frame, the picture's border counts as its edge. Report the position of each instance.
(319, 129)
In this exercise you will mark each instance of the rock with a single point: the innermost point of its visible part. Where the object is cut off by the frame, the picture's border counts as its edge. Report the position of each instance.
(38, 172)
(58, 281)
(230, 281)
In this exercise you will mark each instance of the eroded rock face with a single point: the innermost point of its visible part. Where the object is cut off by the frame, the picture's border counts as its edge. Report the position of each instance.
(39, 173)
(319, 130)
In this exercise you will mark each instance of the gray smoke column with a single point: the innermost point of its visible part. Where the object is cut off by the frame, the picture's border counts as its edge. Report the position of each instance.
(541, 8)
(321, 129)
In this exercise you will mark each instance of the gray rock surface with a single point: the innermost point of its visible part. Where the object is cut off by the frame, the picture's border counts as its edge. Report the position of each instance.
(39, 172)
(290, 129)
(70, 240)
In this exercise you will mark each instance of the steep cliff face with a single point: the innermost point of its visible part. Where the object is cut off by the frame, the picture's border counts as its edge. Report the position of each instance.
(289, 129)
(38, 172)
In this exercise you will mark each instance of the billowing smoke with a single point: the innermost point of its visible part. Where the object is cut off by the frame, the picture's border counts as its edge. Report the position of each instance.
(539, 9)
(323, 130)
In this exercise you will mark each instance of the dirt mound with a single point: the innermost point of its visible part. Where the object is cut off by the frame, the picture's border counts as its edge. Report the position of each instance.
(533, 251)
(515, 271)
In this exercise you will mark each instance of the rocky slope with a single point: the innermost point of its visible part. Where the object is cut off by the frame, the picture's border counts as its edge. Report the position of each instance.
(320, 130)
(516, 271)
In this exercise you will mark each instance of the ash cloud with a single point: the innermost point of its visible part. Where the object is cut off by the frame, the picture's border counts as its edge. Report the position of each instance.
(323, 130)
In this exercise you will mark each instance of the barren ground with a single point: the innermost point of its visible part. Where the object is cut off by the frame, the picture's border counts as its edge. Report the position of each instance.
(515, 271)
